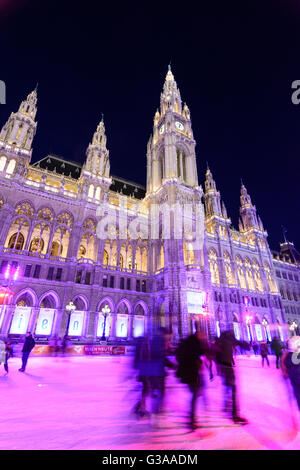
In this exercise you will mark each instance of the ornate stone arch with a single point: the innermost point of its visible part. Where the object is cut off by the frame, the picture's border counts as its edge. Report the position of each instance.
(81, 302)
(53, 295)
(29, 294)
(143, 305)
(127, 303)
(106, 300)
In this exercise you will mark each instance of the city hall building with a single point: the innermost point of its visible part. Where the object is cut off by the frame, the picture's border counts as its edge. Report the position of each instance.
(59, 275)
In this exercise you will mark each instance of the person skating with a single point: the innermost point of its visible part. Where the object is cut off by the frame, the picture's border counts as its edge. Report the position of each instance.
(27, 348)
(190, 369)
(277, 347)
(142, 365)
(264, 353)
(290, 365)
(226, 344)
(8, 354)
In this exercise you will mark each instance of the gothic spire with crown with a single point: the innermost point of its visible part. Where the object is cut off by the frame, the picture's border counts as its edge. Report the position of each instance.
(19, 130)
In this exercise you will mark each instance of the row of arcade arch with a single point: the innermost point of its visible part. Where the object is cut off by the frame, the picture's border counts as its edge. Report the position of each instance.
(46, 317)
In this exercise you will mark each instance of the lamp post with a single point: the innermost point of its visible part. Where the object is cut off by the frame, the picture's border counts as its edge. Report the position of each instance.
(293, 327)
(105, 312)
(70, 307)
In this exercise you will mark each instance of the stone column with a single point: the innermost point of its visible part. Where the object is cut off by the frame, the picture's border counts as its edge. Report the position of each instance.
(33, 320)
(113, 326)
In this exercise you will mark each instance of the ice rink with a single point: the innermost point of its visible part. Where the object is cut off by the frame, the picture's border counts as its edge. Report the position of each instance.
(85, 403)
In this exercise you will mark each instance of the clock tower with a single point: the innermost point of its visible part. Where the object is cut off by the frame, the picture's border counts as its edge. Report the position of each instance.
(171, 154)
(176, 212)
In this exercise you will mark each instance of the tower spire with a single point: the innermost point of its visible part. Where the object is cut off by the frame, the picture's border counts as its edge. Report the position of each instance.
(97, 161)
(20, 128)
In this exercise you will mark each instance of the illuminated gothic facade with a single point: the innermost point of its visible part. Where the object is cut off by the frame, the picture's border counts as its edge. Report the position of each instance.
(58, 276)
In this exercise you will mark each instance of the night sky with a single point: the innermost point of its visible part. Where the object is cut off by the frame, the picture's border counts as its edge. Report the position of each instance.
(234, 63)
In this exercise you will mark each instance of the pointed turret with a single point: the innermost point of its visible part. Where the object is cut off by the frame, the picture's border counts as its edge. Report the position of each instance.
(247, 210)
(170, 99)
(20, 128)
(97, 161)
(212, 196)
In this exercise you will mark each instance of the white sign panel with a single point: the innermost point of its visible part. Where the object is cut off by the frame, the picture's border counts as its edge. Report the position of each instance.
(195, 301)
(101, 325)
(45, 321)
(2, 313)
(122, 325)
(280, 333)
(258, 332)
(236, 330)
(218, 329)
(76, 323)
(20, 321)
(138, 326)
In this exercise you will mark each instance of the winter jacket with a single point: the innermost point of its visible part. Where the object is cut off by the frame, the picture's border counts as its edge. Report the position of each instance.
(29, 344)
(188, 356)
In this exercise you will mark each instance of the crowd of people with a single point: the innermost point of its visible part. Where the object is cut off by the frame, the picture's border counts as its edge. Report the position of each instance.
(193, 365)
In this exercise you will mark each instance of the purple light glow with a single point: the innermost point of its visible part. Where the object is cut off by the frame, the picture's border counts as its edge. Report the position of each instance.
(16, 273)
(6, 275)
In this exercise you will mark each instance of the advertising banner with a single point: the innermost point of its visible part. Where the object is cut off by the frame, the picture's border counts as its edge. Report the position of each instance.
(122, 325)
(99, 350)
(138, 325)
(20, 320)
(41, 350)
(258, 332)
(236, 330)
(45, 321)
(76, 323)
(195, 301)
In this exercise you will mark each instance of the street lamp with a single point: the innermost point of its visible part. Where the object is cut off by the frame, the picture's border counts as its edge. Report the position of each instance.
(105, 312)
(70, 307)
(293, 327)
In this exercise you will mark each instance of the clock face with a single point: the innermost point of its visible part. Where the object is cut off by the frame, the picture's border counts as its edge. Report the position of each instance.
(179, 125)
(162, 128)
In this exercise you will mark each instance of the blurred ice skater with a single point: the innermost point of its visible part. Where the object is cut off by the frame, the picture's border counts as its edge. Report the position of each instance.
(226, 344)
(27, 348)
(190, 369)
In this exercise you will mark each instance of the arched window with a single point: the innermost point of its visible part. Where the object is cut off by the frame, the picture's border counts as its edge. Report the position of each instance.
(257, 277)
(56, 249)
(91, 191)
(10, 167)
(249, 275)
(240, 272)
(40, 238)
(188, 253)
(105, 257)
(213, 266)
(16, 241)
(144, 260)
(2, 163)
(271, 283)
(87, 243)
(138, 259)
(97, 193)
(228, 269)
(36, 245)
(129, 259)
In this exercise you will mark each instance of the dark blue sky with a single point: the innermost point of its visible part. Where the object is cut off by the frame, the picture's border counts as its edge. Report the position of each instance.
(234, 63)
